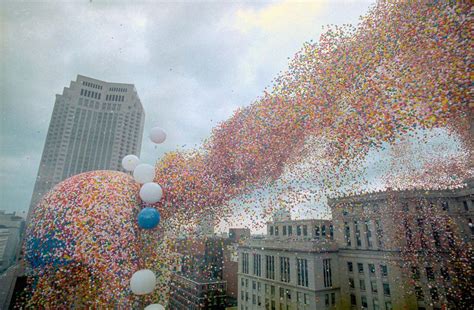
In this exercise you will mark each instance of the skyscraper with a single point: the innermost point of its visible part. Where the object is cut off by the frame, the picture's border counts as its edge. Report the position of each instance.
(93, 126)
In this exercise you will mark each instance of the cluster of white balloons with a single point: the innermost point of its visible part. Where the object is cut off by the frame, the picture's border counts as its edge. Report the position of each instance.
(144, 281)
(150, 192)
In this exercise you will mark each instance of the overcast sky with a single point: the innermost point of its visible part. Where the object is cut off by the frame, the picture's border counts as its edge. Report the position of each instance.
(193, 64)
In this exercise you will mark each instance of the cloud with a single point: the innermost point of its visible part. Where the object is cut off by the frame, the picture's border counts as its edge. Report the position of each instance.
(279, 17)
(193, 64)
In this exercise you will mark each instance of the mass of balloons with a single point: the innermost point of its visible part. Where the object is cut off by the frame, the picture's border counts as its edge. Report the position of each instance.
(406, 67)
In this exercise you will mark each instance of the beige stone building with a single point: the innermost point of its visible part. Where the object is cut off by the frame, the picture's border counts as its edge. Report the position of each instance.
(382, 251)
(405, 250)
(293, 267)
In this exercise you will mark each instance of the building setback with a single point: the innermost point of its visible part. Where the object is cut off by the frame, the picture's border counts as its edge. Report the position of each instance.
(94, 124)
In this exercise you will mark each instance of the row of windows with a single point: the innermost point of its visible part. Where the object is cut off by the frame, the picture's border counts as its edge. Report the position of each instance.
(118, 98)
(285, 295)
(285, 269)
(364, 304)
(444, 206)
(118, 89)
(92, 85)
(302, 230)
(360, 268)
(90, 94)
(96, 105)
(373, 286)
(366, 234)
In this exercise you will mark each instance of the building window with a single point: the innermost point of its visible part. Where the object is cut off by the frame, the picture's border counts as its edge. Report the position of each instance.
(285, 269)
(384, 270)
(445, 206)
(245, 263)
(270, 267)
(386, 289)
(376, 304)
(326, 299)
(363, 300)
(419, 293)
(434, 294)
(333, 298)
(350, 267)
(290, 230)
(271, 230)
(372, 269)
(373, 286)
(415, 273)
(284, 230)
(430, 273)
(302, 266)
(466, 206)
(323, 231)
(257, 265)
(353, 300)
(276, 230)
(362, 284)
(305, 230)
(379, 229)
(331, 232)
(360, 267)
(327, 272)
(388, 305)
(445, 274)
(351, 283)
(316, 232)
(254, 285)
(368, 234)
(298, 230)
(347, 233)
(357, 233)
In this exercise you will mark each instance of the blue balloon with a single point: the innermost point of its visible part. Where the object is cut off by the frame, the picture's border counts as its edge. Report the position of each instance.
(148, 218)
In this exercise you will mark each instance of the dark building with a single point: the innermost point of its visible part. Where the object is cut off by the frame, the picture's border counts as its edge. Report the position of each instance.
(188, 291)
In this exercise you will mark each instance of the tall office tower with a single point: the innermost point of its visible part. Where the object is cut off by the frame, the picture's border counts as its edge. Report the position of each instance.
(93, 126)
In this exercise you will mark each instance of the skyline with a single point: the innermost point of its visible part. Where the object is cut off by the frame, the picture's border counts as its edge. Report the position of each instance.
(121, 43)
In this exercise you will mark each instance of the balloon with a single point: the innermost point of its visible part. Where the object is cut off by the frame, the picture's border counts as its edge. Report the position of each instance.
(148, 218)
(154, 307)
(144, 173)
(130, 162)
(151, 192)
(143, 282)
(157, 135)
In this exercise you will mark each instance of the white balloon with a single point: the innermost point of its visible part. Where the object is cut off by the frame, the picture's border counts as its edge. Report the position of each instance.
(157, 135)
(130, 162)
(154, 307)
(151, 192)
(144, 173)
(143, 282)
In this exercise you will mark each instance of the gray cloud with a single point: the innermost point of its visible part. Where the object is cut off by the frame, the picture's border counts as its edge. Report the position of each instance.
(192, 64)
